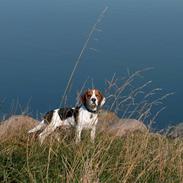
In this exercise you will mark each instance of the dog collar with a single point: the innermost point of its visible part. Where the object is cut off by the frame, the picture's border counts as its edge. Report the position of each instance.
(89, 110)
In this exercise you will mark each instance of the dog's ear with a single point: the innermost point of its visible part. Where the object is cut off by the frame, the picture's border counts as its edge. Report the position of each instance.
(102, 101)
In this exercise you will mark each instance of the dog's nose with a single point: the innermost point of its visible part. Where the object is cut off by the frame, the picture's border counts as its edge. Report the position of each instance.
(93, 100)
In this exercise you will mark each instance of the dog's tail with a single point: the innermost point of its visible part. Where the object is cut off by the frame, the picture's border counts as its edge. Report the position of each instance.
(39, 127)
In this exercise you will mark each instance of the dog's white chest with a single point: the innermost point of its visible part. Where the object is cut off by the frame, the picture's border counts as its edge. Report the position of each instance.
(87, 119)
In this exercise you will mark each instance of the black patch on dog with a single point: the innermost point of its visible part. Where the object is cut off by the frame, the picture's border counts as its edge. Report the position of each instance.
(76, 114)
(65, 113)
(48, 116)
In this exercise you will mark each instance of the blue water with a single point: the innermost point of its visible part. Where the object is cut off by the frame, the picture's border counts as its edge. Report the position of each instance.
(41, 40)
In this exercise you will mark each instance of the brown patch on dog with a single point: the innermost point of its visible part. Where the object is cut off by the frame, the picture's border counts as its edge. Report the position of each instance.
(99, 96)
(86, 96)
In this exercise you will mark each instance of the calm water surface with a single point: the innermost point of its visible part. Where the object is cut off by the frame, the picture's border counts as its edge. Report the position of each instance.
(40, 41)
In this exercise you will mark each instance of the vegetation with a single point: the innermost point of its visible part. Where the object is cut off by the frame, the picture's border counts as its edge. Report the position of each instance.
(135, 158)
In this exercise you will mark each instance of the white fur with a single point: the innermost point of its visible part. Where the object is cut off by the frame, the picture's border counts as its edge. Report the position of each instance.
(38, 127)
(86, 120)
(94, 97)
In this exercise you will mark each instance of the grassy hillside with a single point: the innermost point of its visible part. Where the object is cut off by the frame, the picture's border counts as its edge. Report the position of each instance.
(135, 158)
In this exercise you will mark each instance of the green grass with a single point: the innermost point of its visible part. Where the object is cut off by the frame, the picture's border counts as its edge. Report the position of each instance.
(136, 158)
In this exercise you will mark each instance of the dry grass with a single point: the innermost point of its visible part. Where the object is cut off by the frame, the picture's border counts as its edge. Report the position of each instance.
(134, 98)
(15, 125)
(139, 157)
(110, 123)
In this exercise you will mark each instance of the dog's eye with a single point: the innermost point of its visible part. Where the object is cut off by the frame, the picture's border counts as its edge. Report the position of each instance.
(88, 95)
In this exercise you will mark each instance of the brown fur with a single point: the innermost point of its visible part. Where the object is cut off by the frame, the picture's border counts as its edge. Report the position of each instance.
(86, 96)
(99, 95)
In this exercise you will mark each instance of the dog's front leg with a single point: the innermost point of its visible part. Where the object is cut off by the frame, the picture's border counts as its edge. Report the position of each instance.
(78, 134)
(92, 134)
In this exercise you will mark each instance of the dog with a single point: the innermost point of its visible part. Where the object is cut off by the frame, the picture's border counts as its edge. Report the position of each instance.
(84, 116)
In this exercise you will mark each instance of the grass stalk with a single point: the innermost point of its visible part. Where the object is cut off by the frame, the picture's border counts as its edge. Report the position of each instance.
(93, 29)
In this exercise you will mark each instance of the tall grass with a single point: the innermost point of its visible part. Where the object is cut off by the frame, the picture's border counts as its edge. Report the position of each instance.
(132, 96)
(136, 158)
(85, 45)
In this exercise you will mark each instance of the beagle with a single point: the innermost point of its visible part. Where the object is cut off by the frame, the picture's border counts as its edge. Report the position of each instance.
(81, 117)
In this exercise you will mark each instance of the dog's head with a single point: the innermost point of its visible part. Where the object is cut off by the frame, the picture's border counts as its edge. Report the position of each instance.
(93, 99)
